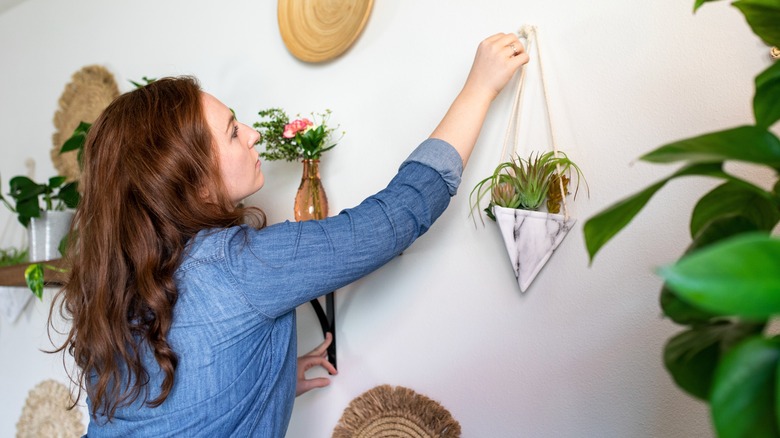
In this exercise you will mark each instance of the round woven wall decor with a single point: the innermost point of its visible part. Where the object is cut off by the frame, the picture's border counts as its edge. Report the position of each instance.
(317, 31)
(46, 414)
(90, 91)
(387, 411)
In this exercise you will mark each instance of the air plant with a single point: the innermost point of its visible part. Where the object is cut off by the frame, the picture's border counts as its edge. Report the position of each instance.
(527, 183)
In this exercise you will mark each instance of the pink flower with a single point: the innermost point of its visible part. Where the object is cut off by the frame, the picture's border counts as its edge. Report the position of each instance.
(295, 127)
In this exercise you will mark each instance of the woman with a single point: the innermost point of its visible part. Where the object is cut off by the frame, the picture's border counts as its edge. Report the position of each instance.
(182, 301)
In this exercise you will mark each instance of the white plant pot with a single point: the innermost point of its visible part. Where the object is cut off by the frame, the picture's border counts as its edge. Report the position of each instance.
(531, 237)
(46, 232)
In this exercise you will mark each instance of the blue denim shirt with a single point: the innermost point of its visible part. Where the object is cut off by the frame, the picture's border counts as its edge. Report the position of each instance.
(234, 322)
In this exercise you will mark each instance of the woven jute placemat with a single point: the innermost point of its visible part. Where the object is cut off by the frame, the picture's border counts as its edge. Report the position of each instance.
(387, 411)
(46, 413)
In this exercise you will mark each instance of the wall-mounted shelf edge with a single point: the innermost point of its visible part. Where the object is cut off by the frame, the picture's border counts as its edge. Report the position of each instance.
(14, 275)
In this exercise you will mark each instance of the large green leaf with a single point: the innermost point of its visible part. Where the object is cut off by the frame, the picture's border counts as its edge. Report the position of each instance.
(743, 391)
(745, 143)
(763, 16)
(56, 181)
(739, 276)
(76, 140)
(603, 226)
(721, 229)
(776, 190)
(734, 199)
(23, 188)
(33, 275)
(766, 102)
(69, 194)
(680, 311)
(692, 356)
(699, 4)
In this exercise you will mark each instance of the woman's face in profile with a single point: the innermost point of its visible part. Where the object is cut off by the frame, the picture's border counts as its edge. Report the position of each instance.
(239, 162)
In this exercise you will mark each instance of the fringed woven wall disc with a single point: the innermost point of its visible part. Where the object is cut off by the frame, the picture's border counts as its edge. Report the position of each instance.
(46, 414)
(90, 91)
(387, 411)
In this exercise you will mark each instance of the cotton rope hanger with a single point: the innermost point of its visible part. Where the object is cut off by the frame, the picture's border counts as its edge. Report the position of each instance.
(531, 35)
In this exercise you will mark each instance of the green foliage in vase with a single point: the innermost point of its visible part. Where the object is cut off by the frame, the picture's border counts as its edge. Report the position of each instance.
(301, 139)
(525, 183)
(725, 289)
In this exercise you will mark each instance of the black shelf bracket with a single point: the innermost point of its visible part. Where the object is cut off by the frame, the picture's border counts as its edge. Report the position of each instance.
(327, 320)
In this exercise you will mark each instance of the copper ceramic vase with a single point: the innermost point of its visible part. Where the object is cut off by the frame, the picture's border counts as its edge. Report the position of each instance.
(311, 201)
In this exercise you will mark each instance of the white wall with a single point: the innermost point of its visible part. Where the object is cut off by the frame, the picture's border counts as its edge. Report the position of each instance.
(580, 353)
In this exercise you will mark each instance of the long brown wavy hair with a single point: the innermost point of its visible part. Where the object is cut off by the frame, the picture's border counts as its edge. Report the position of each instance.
(150, 183)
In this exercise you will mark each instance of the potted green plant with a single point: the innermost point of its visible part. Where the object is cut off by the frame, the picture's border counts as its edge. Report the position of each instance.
(725, 289)
(42, 208)
(518, 189)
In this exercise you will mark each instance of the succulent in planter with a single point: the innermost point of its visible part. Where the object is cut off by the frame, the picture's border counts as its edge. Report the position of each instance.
(527, 183)
(518, 189)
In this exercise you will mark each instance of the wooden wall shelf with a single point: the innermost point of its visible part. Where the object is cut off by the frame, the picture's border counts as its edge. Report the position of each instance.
(14, 275)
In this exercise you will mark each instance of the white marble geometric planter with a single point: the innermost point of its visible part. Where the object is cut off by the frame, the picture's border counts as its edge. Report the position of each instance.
(531, 238)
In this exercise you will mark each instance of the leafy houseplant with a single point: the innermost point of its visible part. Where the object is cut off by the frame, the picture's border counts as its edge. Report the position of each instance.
(517, 189)
(31, 198)
(725, 289)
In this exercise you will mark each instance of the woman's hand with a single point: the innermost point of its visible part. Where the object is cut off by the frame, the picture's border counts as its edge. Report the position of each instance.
(498, 58)
(316, 357)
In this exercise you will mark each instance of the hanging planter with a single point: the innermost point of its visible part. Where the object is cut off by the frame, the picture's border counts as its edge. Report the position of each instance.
(520, 188)
(530, 237)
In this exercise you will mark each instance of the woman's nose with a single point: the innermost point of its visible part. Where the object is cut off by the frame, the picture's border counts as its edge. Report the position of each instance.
(254, 136)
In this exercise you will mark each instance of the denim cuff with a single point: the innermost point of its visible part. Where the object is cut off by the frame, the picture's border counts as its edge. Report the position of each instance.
(442, 157)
